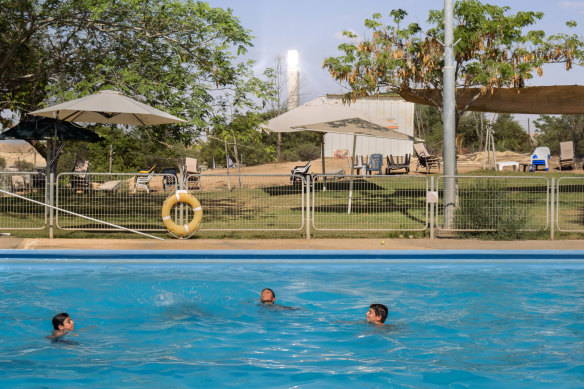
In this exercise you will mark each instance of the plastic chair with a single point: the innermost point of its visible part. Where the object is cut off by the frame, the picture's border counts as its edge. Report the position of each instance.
(374, 164)
(143, 179)
(299, 173)
(540, 157)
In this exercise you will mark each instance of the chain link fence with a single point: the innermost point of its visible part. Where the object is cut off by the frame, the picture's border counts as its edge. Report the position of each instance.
(374, 203)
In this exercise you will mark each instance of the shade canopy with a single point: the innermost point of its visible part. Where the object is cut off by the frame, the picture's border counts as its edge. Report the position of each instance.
(550, 100)
(318, 111)
(355, 126)
(108, 107)
(36, 128)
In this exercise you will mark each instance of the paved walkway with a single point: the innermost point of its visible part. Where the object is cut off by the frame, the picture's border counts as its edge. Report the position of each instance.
(287, 244)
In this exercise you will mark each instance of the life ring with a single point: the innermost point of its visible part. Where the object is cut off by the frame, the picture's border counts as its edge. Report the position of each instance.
(184, 197)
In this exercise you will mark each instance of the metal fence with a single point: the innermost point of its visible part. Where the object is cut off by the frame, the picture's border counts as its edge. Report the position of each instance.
(251, 202)
(274, 203)
(110, 197)
(374, 203)
(492, 203)
(17, 213)
(570, 204)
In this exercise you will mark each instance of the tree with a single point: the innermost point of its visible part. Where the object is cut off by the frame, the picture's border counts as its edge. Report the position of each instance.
(177, 55)
(509, 135)
(556, 129)
(493, 51)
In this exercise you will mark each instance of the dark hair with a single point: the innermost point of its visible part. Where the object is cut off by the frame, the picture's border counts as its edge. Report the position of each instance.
(380, 310)
(59, 319)
(271, 291)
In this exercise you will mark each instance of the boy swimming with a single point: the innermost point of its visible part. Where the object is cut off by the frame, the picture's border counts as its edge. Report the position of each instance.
(62, 324)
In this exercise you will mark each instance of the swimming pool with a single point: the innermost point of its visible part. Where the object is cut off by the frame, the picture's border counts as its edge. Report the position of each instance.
(191, 319)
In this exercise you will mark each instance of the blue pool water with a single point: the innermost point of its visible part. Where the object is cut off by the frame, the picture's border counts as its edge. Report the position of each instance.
(184, 319)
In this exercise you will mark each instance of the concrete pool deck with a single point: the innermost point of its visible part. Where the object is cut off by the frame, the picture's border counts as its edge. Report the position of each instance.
(286, 244)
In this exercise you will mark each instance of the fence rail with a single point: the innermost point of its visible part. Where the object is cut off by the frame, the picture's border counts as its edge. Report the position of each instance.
(274, 203)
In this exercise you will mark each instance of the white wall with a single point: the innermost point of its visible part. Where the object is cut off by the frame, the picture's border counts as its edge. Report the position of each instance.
(392, 108)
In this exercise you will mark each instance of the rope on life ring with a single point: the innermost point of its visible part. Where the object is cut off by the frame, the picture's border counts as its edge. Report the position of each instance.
(182, 196)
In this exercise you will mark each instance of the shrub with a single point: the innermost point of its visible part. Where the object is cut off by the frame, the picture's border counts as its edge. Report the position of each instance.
(308, 151)
(23, 166)
(484, 205)
(2, 163)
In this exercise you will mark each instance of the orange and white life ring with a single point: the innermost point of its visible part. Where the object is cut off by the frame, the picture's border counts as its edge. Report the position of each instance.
(184, 197)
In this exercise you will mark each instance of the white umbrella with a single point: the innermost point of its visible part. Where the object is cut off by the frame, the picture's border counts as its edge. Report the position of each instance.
(108, 107)
(356, 126)
(324, 110)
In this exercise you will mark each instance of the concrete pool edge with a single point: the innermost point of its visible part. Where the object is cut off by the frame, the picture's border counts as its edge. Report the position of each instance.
(54, 257)
(287, 244)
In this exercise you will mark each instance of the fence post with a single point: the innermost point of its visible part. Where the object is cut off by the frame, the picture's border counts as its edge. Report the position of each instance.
(51, 202)
(553, 213)
(307, 204)
(431, 209)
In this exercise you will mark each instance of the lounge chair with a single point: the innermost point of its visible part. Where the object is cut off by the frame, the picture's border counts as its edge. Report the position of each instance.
(143, 179)
(18, 184)
(80, 182)
(299, 173)
(374, 164)
(193, 174)
(540, 157)
(567, 155)
(109, 186)
(398, 162)
(335, 174)
(425, 159)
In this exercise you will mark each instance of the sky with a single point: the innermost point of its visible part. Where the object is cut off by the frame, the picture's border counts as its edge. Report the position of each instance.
(314, 28)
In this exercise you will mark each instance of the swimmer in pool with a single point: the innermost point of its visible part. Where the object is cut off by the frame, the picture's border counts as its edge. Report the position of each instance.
(377, 314)
(62, 324)
(268, 297)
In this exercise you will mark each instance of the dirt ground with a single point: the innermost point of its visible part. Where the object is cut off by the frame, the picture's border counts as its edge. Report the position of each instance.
(466, 163)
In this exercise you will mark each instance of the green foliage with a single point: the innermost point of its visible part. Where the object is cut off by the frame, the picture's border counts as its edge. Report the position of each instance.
(556, 129)
(179, 56)
(509, 135)
(493, 50)
(23, 166)
(2, 163)
(482, 206)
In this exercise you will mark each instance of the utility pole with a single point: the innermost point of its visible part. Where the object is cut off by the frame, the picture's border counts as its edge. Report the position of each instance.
(449, 110)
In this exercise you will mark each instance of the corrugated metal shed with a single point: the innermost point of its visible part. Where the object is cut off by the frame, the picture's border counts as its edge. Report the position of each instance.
(393, 108)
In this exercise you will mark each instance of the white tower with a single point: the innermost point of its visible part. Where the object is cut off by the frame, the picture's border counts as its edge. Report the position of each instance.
(293, 79)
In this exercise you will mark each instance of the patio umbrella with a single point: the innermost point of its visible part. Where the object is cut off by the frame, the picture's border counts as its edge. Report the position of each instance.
(108, 107)
(38, 128)
(323, 110)
(44, 128)
(356, 126)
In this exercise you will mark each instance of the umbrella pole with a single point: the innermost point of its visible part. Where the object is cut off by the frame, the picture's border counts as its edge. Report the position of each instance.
(322, 157)
(352, 172)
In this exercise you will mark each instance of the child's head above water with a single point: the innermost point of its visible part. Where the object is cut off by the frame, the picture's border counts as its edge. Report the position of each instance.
(63, 321)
